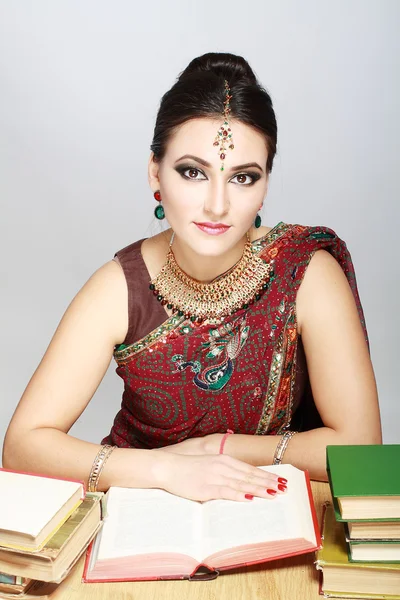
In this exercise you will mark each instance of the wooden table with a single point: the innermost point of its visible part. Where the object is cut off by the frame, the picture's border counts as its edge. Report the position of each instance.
(293, 578)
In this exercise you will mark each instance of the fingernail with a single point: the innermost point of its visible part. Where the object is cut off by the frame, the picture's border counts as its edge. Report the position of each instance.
(282, 488)
(282, 480)
(272, 492)
(249, 496)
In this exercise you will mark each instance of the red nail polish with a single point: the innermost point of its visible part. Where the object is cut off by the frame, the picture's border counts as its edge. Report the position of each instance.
(272, 492)
(282, 488)
(249, 496)
(282, 480)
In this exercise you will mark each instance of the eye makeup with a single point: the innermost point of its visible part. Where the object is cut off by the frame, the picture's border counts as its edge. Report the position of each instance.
(255, 176)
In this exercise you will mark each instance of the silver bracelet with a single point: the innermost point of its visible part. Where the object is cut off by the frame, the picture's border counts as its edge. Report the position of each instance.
(281, 447)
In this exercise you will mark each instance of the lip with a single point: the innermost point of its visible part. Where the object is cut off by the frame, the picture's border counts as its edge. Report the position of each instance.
(213, 228)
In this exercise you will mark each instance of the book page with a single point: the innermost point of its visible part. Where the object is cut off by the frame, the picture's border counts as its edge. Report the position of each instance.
(29, 502)
(286, 516)
(144, 521)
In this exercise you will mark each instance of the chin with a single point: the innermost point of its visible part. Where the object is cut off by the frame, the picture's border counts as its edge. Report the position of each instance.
(211, 246)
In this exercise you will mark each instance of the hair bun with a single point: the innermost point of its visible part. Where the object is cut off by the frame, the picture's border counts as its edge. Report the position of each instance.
(228, 66)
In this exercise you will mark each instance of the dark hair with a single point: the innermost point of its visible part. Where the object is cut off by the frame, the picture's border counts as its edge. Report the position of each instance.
(200, 92)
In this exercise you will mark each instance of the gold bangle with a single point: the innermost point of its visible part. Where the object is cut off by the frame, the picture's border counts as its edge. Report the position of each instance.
(98, 465)
(281, 447)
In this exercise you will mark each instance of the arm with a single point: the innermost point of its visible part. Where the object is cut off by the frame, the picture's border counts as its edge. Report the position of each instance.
(340, 372)
(72, 368)
(64, 383)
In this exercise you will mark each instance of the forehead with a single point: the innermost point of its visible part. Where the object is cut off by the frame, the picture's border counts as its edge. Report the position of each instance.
(197, 137)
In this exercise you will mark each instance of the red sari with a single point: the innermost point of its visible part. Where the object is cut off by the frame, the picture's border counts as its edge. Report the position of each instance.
(184, 379)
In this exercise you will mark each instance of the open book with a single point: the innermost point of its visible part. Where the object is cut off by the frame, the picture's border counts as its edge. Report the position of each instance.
(152, 534)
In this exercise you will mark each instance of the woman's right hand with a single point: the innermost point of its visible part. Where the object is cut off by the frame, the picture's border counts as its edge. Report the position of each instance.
(212, 477)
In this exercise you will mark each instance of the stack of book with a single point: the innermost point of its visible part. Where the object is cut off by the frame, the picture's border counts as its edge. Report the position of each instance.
(360, 557)
(46, 524)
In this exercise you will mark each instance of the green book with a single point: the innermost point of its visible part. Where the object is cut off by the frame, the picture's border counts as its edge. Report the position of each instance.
(343, 578)
(364, 481)
(374, 550)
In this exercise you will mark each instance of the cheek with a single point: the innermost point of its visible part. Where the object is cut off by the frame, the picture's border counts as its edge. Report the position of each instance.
(245, 206)
(180, 209)
(184, 201)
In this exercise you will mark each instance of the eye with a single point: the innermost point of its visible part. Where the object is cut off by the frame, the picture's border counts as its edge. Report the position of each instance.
(192, 172)
(253, 177)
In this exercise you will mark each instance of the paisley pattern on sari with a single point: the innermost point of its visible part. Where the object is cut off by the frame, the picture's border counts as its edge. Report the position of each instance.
(187, 379)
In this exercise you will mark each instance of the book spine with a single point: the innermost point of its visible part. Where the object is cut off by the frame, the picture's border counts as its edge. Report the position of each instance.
(12, 579)
(208, 574)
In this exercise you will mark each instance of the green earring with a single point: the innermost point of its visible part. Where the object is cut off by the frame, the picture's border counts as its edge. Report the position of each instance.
(257, 221)
(159, 210)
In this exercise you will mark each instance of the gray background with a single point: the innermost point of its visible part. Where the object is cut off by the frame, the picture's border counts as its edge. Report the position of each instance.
(80, 87)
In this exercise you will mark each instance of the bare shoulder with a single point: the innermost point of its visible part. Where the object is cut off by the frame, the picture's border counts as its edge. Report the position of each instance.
(322, 262)
(324, 289)
(105, 296)
(111, 271)
(107, 282)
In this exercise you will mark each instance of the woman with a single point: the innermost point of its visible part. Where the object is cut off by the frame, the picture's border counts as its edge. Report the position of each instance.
(218, 325)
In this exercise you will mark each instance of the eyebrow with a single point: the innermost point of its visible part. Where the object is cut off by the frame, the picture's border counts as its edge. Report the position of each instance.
(208, 165)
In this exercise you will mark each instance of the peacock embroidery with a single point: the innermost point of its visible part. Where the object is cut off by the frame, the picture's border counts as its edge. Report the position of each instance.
(222, 346)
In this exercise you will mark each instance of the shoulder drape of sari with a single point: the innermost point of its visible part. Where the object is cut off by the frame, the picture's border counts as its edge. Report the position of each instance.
(184, 379)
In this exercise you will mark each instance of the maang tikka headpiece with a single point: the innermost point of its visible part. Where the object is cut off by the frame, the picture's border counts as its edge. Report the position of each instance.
(224, 135)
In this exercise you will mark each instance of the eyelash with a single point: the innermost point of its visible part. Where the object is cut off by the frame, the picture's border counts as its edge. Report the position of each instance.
(182, 168)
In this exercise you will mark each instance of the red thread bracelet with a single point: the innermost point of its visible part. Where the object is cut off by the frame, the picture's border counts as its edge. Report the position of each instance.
(221, 448)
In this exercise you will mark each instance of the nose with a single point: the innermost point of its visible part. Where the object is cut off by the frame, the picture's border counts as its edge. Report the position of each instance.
(216, 202)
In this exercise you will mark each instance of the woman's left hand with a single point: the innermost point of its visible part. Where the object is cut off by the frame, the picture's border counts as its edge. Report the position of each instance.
(208, 444)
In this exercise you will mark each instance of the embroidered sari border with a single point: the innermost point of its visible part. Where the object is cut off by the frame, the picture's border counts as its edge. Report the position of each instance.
(277, 411)
(284, 399)
(273, 386)
(293, 378)
(269, 238)
(121, 356)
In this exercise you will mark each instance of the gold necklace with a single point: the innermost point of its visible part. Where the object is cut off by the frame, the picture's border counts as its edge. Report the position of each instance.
(236, 289)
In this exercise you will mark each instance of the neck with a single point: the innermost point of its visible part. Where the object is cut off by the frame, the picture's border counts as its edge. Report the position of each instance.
(205, 268)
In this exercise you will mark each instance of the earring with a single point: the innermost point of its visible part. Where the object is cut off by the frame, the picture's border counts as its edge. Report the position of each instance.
(257, 221)
(159, 210)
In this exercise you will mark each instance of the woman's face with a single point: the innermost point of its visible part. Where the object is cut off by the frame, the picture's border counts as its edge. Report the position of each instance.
(211, 210)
